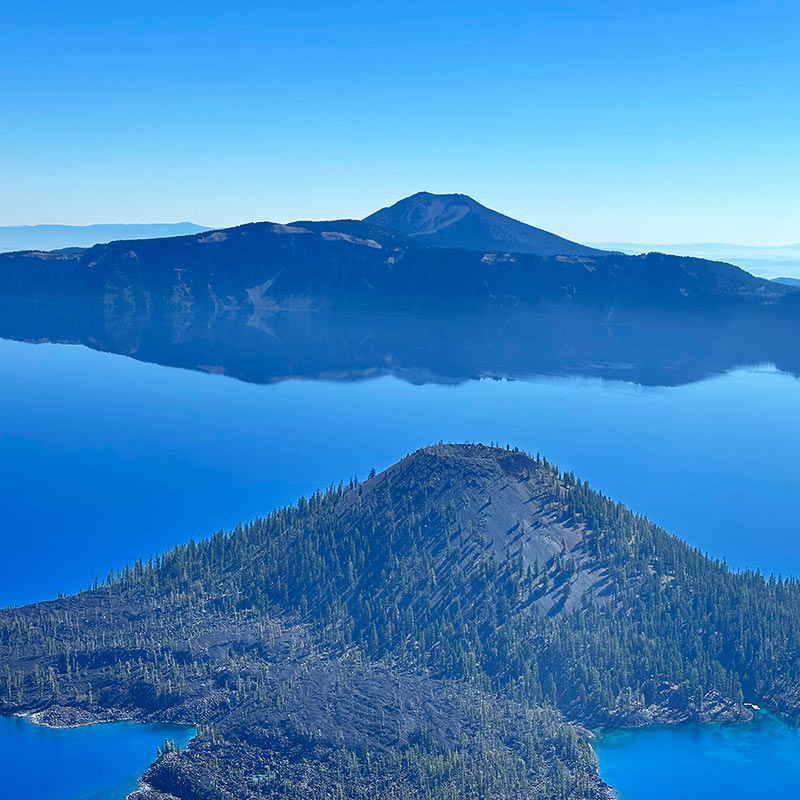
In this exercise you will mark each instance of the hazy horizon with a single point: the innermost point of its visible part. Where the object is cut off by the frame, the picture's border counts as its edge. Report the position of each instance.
(224, 115)
(777, 261)
(609, 242)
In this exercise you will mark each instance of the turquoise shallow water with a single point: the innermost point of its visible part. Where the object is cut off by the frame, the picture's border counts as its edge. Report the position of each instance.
(96, 762)
(703, 762)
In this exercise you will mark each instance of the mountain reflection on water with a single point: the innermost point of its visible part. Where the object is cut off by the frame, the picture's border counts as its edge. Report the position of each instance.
(269, 346)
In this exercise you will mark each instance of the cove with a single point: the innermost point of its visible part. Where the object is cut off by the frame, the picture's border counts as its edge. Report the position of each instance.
(93, 762)
(697, 762)
(105, 459)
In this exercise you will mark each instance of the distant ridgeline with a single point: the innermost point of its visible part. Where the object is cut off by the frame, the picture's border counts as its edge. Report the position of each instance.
(349, 265)
(432, 632)
(54, 237)
(489, 296)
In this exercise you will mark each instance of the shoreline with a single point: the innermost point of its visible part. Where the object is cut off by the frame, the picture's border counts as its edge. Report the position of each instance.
(599, 734)
(81, 718)
(71, 717)
(91, 719)
(131, 776)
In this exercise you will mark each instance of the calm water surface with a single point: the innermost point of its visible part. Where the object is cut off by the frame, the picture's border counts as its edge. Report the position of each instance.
(710, 762)
(104, 459)
(96, 762)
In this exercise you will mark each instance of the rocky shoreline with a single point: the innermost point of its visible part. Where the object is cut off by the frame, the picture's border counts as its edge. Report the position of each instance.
(61, 717)
(669, 708)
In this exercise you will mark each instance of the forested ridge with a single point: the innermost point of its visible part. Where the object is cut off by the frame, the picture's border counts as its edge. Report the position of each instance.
(425, 633)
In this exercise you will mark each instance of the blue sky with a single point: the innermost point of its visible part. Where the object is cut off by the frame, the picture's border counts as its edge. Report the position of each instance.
(635, 121)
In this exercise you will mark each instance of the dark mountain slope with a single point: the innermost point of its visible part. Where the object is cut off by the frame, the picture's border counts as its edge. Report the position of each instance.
(409, 636)
(265, 268)
(455, 220)
(278, 715)
(465, 550)
(497, 505)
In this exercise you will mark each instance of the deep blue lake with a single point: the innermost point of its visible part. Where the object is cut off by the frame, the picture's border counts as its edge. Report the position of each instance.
(703, 762)
(96, 762)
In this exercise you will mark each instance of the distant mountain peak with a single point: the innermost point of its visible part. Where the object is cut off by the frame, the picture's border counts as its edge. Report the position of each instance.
(430, 213)
(459, 221)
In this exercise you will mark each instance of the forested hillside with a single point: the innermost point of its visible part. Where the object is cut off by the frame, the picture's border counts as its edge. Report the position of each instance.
(420, 634)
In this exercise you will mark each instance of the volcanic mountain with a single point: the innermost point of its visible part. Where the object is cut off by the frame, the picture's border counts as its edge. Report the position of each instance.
(456, 220)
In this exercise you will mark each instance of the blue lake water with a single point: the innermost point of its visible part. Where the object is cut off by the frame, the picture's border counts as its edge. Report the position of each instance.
(703, 762)
(96, 762)
(104, 459)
